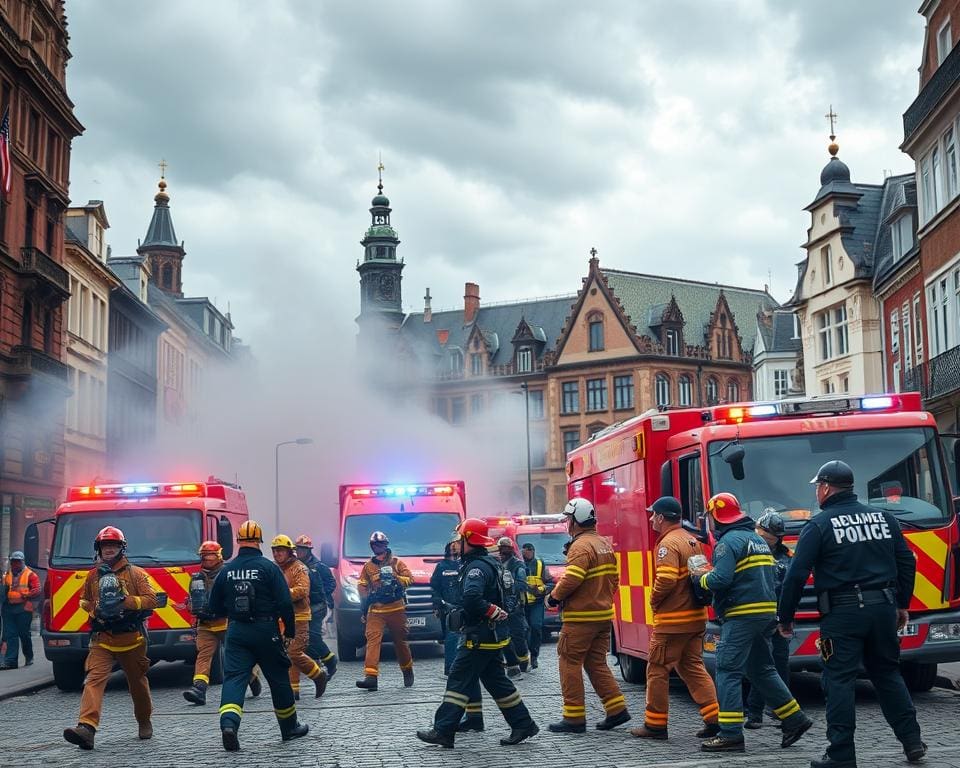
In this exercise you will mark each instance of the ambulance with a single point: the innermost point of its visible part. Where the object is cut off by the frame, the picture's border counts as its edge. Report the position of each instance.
(420, 519)
(765, 454)
(164, 524)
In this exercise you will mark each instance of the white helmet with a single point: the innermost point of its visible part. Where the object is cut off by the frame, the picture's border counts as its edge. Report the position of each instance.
(581, 511)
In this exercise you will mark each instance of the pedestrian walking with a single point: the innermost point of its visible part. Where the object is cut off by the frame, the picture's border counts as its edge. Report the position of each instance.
(484, 625)
(539, 585)
(322, 587)
(118, 598)
(382, 586)
(679, 621)
(445, 590)
(253, 594)
(516, 653)
(863, 574)
(744, 598)
(586, 594)
(20, 590)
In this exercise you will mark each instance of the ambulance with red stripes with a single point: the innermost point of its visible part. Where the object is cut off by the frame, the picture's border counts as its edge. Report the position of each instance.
(164, 524)
(765, 454)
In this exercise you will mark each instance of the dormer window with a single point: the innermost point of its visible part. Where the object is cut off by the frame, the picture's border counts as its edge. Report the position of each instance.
(595, 323)
(476, 363)
(672, 342)
(901, 231)
(456, 361)
(524, 360)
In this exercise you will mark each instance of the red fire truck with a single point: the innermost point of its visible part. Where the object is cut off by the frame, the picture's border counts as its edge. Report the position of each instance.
(164, 524)
(765, 453)
(420, 520)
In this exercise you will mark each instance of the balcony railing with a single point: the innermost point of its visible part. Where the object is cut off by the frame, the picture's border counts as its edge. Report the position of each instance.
(932, 94)
(33, 261)
(938, 377)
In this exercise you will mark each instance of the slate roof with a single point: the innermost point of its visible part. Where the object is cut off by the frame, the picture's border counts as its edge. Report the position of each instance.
(160, 232)
(860, 227)
(899, 194)
(640, 293)
(778, 335)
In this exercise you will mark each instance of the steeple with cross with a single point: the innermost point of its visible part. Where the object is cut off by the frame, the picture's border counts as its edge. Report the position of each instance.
(832, 117)
(163, 253)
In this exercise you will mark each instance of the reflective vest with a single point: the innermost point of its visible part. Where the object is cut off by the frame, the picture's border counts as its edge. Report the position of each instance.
(17, 595)
(534, 581)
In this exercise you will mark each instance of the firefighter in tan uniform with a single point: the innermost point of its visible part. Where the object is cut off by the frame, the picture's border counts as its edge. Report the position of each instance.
(586, 595)
(676, 642)
(119, 598)
(211, 630)
(298, 579)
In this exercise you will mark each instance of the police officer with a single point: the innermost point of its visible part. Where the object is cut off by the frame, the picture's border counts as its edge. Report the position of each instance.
(539, 585)
(515, 577)
(445, 587)
(744, 598)
(253, 594)
(322, 586)
(863, 577)
(478, 659)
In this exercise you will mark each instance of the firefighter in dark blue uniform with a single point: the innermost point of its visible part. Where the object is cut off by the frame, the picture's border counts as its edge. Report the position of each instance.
(445, 588)
(252, 593)
(322, 587)
(517, 654)
(863, 577)
(485, 633)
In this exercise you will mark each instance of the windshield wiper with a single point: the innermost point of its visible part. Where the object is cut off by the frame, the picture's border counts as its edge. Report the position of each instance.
(143, 557)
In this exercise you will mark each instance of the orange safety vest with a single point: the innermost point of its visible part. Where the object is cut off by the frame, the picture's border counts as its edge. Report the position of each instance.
(17, 595)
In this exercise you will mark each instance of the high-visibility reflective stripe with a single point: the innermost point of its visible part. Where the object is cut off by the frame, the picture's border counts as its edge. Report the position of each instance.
(283, 714)
(703, 581)
(656, 718)
(327, 658)
(455, 702)
(613, 701)
(787, 709)
(751, 608)
(576, 616)
(234, 708)
(302, 616)
(487, 646)
(218, 627)
(457, 697)
(394, 609)
(314, 673)
(406, 667)
(473, 708)
(608, 569)
(754, 561)
(201, 679)
(730, 717)
(679, 617)
(121, 648)
(573, 711)
(370, 671)
(509, 701)
(710, 709)
(575, 571)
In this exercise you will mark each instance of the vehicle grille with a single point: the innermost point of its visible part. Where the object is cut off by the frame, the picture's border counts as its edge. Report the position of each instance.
(419, 599)
(808, 600)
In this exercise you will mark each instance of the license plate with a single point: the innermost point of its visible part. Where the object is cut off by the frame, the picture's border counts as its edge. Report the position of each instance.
(911, 630)
(416, 621)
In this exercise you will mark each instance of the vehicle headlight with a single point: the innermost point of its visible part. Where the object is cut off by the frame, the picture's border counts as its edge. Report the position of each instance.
(348, 586)
(943, 632)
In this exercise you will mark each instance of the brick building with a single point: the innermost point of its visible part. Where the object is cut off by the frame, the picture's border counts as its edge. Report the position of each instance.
(33, 282)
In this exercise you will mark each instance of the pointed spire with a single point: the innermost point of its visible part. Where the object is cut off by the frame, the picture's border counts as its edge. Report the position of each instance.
(161, 232)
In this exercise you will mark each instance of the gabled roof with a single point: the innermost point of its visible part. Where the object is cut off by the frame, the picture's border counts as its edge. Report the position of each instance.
(899, 196)
(777, 333)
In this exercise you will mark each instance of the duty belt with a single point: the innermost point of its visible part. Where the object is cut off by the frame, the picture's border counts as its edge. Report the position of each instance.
(857, 596)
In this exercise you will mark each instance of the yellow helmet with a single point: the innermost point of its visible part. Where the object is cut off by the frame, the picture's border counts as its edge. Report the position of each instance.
(250, 531)
(281, 540)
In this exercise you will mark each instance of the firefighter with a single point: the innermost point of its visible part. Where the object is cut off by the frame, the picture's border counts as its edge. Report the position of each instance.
(863, 575)
(118, 598)
(515, 575)
(586, 594)
(483, 621)
(322, 586)
(253, 594)
(445, 588)
(539, 585)
(21, 586)
(382, 587)
(771, 528)
(744, 598)
(298, 580)
(211, 630)
(679, 621)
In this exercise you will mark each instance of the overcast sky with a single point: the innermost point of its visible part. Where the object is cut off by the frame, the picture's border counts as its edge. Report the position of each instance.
(678, 137)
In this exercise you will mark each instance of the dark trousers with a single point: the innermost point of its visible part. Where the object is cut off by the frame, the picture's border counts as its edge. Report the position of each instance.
(16, 632)
(535, 613)
(744, 651)
(317, 648)
(249, 644)
(517, 653)
(470, 669)
(851, 636)
(451, 641)
(780, 648)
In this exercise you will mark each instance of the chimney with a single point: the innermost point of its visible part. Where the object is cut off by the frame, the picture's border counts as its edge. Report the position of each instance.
(471, 302)
(427, 312)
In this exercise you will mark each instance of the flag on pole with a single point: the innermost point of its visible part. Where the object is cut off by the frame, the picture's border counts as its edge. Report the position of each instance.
(6, 172)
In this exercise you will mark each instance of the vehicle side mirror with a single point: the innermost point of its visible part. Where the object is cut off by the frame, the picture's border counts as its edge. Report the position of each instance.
(31, 545)
(225, 537)
(733, 455)
(328, 555)
(956, 506)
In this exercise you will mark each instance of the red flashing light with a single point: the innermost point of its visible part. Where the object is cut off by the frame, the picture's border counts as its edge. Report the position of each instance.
(134, 491)
(403, 491)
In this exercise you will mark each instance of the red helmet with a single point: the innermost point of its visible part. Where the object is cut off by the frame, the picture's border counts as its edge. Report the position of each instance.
(109, 534)
(304, 541)
(210, 548)
(725, 508)
(475, 531)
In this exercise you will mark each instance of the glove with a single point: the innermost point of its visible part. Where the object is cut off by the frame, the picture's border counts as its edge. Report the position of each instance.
(552, 601)
(496, 613)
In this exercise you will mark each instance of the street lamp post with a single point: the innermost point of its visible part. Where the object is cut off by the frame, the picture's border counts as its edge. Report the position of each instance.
(526, 405)
(276, 477)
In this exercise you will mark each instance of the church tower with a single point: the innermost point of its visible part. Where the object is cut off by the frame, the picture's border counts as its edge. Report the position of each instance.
(160, 250)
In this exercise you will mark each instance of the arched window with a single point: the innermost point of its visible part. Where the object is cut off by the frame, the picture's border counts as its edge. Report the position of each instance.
(456, 360)
(539, 500)
(517, 496)
(685, 387)
(662, 387)
(595, 325)
(713, 391)
(733, 391)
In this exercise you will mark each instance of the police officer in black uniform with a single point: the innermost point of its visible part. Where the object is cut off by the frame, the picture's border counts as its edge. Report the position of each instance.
(863, 577)
(252, 593)
(445, 588)
(485, 635)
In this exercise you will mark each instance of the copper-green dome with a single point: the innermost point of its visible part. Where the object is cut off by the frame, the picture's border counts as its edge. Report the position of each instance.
(380, 201)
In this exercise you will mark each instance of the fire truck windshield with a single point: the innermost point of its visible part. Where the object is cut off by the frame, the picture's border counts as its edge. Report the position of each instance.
(547, 546)
(154, 536)
(898, 470)
(411, 534)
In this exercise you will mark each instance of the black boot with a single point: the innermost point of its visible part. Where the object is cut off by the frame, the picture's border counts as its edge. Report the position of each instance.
(197, 694)
(533, 662)
(708, 730)
(792, 735)
(256, 687)
(828, 762)
(470, 724)
(82, 736)
(722, 744)
(331, 666)
(433, 736)
(300, 729)
(408, 678)
(520, 734)
(566, 727)
(612, 721)
(230, 741)
(320, 681)
(369, 682)
(915, 753)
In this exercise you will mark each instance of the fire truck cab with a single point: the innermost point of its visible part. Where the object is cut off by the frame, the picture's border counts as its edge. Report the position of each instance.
(765, 454)
(164, 524)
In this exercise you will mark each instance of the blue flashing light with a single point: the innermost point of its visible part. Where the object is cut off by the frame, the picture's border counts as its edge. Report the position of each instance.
(763, 410)
(870, 403)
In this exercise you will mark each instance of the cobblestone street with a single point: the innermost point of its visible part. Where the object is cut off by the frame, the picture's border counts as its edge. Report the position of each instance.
(350, 727)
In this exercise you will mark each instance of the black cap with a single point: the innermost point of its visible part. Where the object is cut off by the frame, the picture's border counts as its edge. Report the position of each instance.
(528, 545)
(668, 507)
(834, 472)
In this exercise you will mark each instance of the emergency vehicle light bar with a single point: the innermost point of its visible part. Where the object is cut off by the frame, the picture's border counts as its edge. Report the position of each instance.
(403, 490)
(735, 414)
(133, 490)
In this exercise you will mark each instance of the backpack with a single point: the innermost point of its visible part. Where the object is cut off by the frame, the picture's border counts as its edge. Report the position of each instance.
(243, 597)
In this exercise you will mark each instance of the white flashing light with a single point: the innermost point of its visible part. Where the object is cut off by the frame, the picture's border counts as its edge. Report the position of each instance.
(660, 423)
(763, 410)
(869, 403)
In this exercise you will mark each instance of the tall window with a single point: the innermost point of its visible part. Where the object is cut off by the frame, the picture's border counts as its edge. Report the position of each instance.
(713, 391)
(927, 189)
(536, 403)
(476, 404)
(826, 265)
(733, 391)
(524, 360)
(895, 332)
(623, 392)
(458, 410)
(832, 330)
(456, 361)
(662, 389)
(781, 382)
(901, 233)
(918, 326)
(571, 397)
(571, 439)
(906, 354)
(596, 335)
(476, 364)
(673, 342)
(950, 148)
(685, 389)
(596, 394)
(944, 42)
(938, 192)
